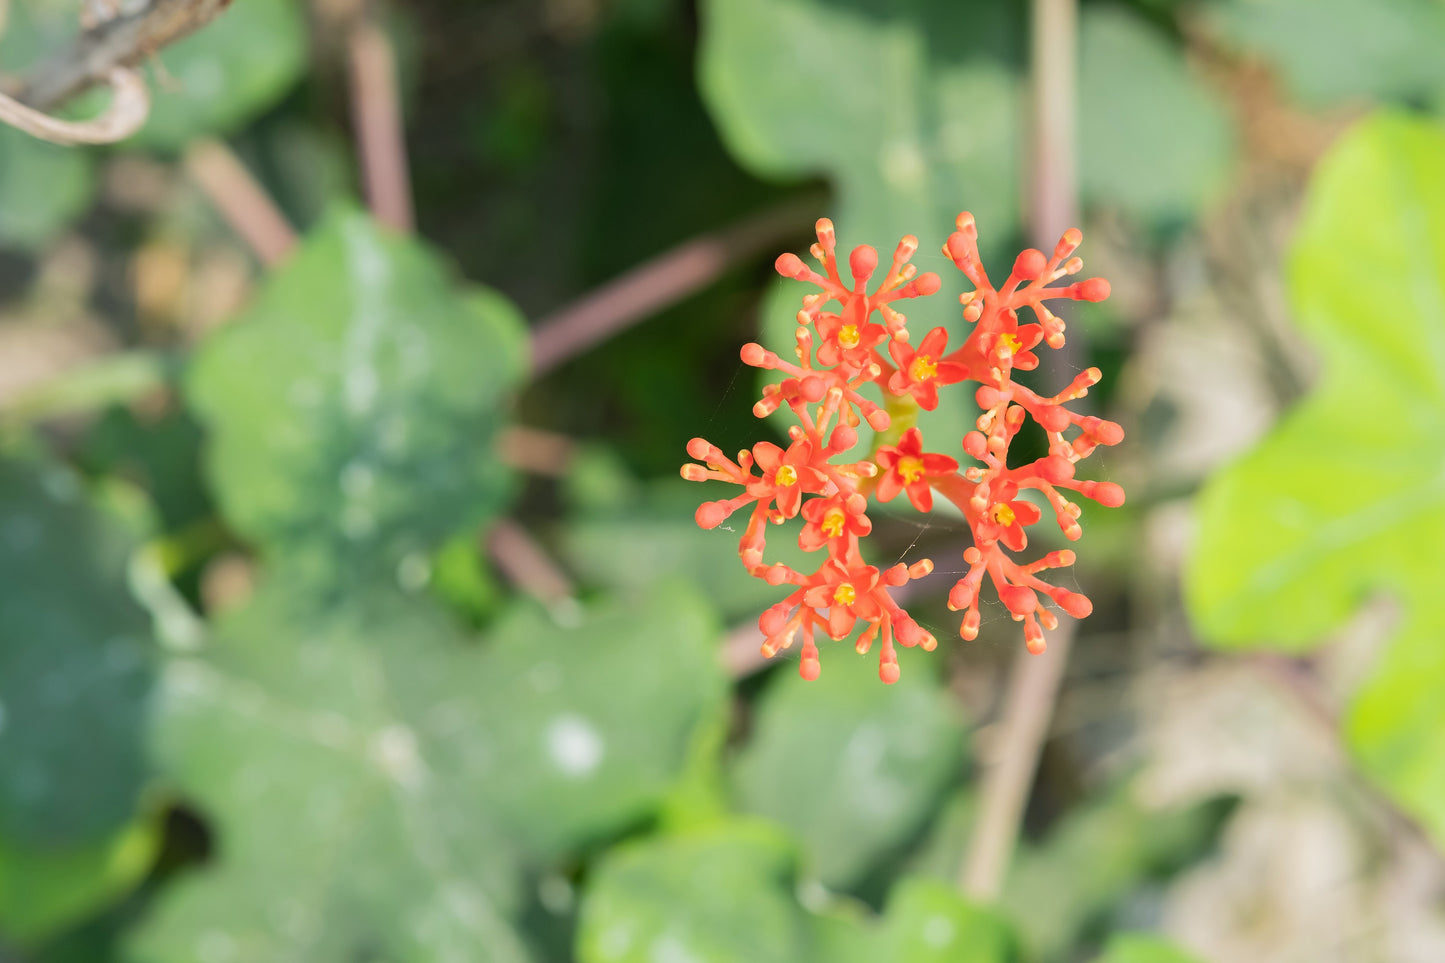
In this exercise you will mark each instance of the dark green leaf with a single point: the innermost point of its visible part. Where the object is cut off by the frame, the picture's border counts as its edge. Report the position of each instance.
(354, 406)
(854, 768)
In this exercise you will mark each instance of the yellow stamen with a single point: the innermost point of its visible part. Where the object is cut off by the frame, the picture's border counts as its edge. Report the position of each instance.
(787, 475)
(923, 368)
(1003, 514)
(910, 468)
(833, 523)
(845, 594)
(1010, 343)
(848, 336)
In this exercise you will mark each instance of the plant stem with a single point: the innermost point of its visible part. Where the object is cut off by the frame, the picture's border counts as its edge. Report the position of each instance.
(380, 131)
(662, 281)
(242, 201)
(1035, 679)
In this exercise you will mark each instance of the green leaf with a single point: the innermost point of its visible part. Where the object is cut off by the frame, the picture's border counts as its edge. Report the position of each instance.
(44, 891)
(725, 895)
(227, 73)
(353, 407)
(76, 664)
(1122, 842)
(1332, 50)
(593, 721)
(928, 922)
(1153, 138)
(1346, 498)
(43, 187)
(330, 750)
(852, 767)
(888, 99)
(1139, 948)
(395, 776)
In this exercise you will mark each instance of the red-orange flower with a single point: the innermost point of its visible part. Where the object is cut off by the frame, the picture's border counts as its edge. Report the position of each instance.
(921, 372)
(834, 517)
(786, 474)
(907, 468)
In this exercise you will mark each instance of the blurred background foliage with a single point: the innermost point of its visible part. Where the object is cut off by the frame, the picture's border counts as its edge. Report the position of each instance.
(275, 681)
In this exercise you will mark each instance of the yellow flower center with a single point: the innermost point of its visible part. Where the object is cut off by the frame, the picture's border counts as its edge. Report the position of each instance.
(787, 475)
(848, 336)
(845, 594)
(923, 368)
(1010, 343)
(1003, 514)
(910, 468)
(833, 523)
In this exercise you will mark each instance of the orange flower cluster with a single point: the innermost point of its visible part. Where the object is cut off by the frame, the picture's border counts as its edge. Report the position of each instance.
(841, 338)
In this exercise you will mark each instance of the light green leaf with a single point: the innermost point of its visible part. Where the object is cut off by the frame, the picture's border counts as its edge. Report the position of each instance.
(76, 664)
(852, 767)
(1153, 138)
(43, 187)
(1346, 498)
(928, 922)
(353, 407)
(1332, 50)
(43, 891)
(227, 73)
(1139, 948)
(726, 895)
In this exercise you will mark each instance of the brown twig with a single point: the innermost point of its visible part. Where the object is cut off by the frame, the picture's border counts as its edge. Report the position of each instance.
(242, 201)
(1035, 680)
(380, 133)
(526, 564)
(662, 281)
(121, 42)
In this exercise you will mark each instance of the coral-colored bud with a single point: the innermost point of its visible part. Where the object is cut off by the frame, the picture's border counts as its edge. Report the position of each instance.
(1107, 494)
(1053, 417)
(775, 574)
(756, 355)
(824, 229)
(1069, 243)
(1034, 639)
(1018, 599)
(809, 668)
(926, 284)
(958, 247)
(1030, 264)
(920, 568)
(907, 245)
(907, 631)
(843, 438)
(712, 514)
(1094, 289)
(694, 473)
(878, 420)
(862, 262)
(1054, 469)
(961, 596)
(964, 222)
(968, 629)
(975, 444)
(1075, 604)
(888, 672)
(1107, 432)
(987, 396)
(789, 265)
(699, 448)
(813, 388)
(774, 619)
